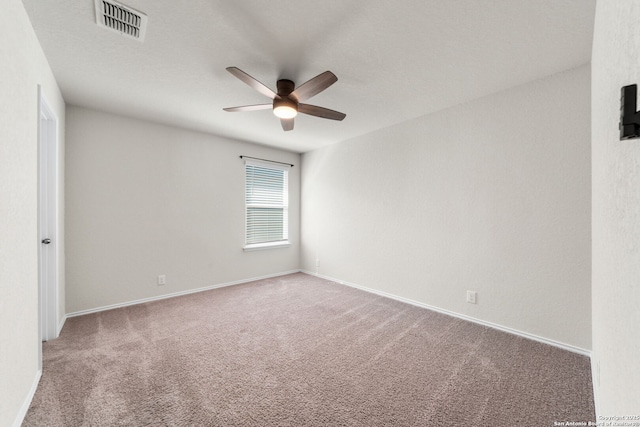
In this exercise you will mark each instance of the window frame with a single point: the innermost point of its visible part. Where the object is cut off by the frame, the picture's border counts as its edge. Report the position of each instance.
(285, 242)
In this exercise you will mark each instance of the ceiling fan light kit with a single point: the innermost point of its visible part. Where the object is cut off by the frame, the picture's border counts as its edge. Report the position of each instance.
(285, 111)
(286, 103)
(284, 106)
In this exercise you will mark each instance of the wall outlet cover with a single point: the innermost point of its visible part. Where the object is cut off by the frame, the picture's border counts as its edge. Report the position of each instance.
(471, 297)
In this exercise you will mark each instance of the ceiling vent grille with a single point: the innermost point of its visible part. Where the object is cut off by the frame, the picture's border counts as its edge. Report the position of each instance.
(120, 18)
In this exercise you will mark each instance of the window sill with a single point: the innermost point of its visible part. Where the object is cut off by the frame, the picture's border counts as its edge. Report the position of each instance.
(269, 245)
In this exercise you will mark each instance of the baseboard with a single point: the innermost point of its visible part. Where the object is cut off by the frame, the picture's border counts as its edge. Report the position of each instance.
(61, 325)
(595, 382)
(522, 334)
(27, 402)
(176, 294)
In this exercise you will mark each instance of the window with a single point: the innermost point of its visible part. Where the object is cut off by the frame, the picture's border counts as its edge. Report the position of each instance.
(267, 205)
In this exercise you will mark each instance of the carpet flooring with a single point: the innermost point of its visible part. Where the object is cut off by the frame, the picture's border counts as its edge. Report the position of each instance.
(297, 350)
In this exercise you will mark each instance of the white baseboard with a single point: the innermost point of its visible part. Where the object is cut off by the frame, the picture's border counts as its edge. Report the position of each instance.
(522, 334)
(61, 325)
(27, 402)
(595, 382)
(176, 294)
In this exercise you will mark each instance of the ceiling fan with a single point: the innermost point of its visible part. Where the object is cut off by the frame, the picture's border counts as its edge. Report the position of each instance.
(287, 103)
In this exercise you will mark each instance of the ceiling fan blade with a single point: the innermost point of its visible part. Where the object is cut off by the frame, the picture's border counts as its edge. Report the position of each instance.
(325, 113)
(251, 82)
(249, 107)
(315, 86)
(287, 124)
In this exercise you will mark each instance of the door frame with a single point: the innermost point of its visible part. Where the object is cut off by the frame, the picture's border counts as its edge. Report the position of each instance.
(48, 196)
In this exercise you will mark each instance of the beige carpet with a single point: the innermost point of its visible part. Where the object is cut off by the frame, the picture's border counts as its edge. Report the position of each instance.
(300, 351)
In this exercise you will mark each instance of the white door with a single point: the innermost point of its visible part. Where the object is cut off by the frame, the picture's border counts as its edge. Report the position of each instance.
(47, 217)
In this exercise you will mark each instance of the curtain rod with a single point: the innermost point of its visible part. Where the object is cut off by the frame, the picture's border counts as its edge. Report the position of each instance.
(265, 160)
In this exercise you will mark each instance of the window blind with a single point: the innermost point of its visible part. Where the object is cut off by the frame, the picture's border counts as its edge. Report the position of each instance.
(267, 203)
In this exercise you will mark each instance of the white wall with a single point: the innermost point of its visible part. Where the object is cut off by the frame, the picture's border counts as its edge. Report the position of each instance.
(23, 67)
(491, 196)
(145, 199)
(616, 213)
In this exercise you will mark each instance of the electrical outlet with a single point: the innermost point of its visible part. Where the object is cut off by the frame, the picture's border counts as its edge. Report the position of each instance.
(317, 262)
(162, 280)
(471, 297)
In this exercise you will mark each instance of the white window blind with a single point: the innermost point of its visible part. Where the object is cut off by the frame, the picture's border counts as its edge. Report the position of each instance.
(267, 203)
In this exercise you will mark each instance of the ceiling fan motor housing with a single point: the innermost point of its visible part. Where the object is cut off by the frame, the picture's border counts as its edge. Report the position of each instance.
(285, 87)
(285, 102)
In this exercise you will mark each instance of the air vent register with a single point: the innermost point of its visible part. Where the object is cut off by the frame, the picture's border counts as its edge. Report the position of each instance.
(120, 18)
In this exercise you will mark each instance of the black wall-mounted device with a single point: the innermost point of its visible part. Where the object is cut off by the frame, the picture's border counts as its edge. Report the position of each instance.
(629, 117)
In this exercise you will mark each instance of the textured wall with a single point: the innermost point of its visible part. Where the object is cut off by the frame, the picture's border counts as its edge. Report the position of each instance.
(145, 199)
(616, 213)
(23, 67)
(491, 196)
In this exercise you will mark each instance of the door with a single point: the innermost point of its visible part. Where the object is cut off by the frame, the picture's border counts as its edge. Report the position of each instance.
(48, 221)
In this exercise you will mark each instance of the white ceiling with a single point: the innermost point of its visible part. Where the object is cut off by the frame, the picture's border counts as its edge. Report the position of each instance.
(395, 60)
